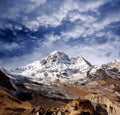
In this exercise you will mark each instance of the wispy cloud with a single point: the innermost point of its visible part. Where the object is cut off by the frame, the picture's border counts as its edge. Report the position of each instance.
(9, 46)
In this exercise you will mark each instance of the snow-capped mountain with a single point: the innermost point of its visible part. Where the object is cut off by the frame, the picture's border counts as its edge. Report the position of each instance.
(57, 65)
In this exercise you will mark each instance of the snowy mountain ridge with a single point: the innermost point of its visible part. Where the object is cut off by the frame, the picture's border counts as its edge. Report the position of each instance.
(57, 65)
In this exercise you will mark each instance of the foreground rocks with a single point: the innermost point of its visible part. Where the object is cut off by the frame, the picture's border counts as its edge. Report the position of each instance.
(76, 107)
(9, 105)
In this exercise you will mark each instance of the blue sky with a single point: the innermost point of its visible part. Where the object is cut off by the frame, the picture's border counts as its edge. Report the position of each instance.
(31, 29)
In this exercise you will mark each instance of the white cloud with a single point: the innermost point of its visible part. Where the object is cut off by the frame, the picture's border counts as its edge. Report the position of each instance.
(50, 38)
(32, 25)
(35, 13)
(108, 14)
(38, 2)
(100, 34)
(107, 20)
(91, 4)
(74, 33)
(49, 20)
(55, 17)
(16, 9)
(81, 5)
(9, 46)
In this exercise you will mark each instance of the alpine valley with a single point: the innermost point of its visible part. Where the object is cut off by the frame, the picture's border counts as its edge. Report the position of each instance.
(61, 85)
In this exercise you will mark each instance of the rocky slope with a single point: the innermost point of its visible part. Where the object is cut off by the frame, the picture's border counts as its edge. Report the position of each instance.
(46, 86)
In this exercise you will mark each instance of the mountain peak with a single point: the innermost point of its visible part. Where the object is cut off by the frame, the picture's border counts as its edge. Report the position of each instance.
(58, 56)
(57, 53)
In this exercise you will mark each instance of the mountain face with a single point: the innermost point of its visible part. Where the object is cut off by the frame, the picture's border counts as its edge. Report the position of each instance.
(61, 85)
